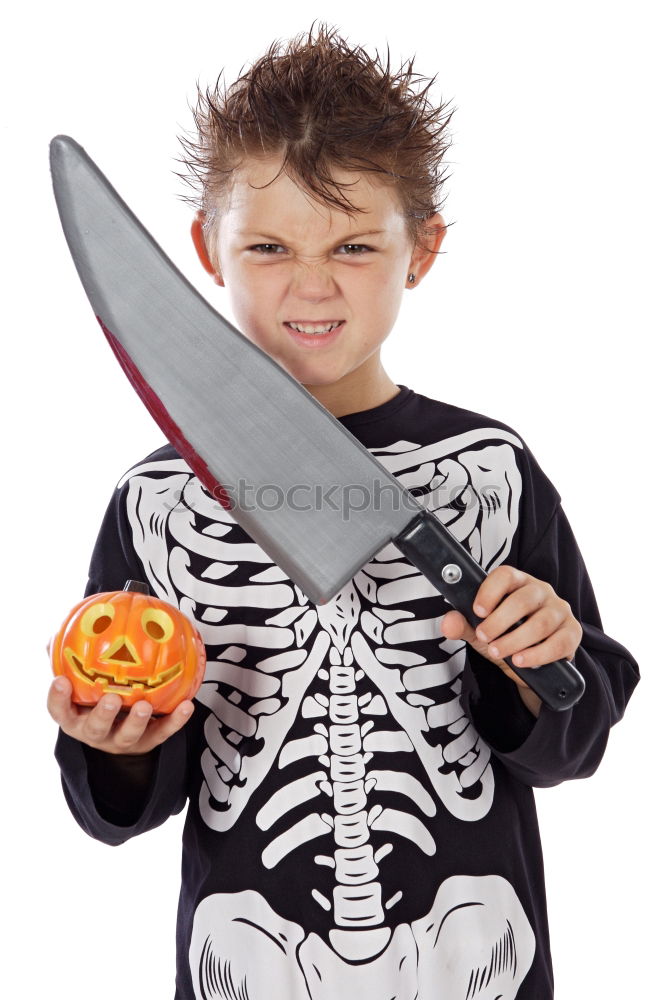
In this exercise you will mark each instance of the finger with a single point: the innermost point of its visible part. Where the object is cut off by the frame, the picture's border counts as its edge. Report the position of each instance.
(170, 724)
(538, 627)
(59, 703)
(519, 604)
(130, 731)
(555, 647)
(453, 625)
(500, 581)
(95, 725)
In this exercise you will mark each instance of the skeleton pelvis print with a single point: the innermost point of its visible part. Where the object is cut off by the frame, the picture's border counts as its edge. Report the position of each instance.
(475, 944)
(353, 710)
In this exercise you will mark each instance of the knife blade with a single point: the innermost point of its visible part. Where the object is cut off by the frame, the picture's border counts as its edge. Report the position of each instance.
(243, 424)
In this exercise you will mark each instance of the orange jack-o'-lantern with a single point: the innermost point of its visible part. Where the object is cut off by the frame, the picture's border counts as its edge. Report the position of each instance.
(128, 643)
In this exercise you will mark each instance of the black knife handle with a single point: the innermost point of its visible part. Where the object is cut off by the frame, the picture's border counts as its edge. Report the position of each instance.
(443, 560)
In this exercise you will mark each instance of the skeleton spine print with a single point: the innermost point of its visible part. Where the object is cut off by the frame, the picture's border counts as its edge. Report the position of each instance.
(336, 734)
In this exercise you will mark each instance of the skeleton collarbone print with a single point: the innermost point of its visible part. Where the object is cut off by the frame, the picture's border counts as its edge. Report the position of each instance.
(348, 827)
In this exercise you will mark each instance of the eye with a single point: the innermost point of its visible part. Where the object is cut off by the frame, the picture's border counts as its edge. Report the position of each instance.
(97, 619)
(157, 624)
(261, 246)
(359, 246)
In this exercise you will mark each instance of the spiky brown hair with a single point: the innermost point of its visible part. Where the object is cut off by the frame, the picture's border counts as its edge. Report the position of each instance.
(322, 105)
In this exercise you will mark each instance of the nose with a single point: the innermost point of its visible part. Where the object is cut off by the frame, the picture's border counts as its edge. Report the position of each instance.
(122, 650)
(313, 280)
(123, 654)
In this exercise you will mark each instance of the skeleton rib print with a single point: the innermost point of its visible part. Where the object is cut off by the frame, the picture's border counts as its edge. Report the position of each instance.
(355, 707)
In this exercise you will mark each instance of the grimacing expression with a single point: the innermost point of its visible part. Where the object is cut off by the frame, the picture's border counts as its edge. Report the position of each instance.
(287, 258)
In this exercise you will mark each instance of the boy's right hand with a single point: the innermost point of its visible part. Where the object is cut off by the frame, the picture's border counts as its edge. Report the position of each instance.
(137, 732)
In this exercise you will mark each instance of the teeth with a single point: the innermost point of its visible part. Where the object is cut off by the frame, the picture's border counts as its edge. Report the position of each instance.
(314, 329)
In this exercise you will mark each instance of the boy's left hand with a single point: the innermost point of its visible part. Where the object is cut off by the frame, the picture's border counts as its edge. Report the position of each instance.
(549, 632)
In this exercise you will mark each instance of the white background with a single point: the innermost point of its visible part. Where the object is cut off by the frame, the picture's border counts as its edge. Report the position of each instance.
(542, 313)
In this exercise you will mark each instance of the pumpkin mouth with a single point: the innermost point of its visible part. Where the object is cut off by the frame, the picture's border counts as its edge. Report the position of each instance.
(111, 680)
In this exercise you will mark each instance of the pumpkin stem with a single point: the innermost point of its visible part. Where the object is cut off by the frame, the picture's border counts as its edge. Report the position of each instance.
(138, 586)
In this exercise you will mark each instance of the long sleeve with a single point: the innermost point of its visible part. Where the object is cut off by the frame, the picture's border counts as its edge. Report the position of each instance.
(108, 814)
(567, 744)
(115, 797)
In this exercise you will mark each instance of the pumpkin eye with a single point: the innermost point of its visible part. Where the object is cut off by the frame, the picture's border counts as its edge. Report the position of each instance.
(97, 619)
(157, 624)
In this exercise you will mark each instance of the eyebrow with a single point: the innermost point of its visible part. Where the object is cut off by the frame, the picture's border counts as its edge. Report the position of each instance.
(346, 239)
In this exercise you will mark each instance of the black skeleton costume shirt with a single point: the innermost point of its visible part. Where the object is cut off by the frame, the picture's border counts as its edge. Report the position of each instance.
(361, 818)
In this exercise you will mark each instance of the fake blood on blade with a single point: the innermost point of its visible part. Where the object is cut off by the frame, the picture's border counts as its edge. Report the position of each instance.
(159, 413)
(315, 340)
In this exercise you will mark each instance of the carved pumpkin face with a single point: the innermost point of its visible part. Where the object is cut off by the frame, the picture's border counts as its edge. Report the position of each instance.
(131, 644)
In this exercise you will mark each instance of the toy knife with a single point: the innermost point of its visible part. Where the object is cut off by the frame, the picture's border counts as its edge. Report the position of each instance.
(240, 421)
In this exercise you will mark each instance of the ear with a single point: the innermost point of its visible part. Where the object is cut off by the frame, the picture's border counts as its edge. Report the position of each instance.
(198, 237)
(422, 260)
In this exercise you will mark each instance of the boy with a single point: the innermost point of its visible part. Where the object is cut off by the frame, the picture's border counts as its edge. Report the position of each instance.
(359, 774)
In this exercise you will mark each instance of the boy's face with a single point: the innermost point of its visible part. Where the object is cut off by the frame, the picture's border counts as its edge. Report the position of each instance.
(285, 258)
